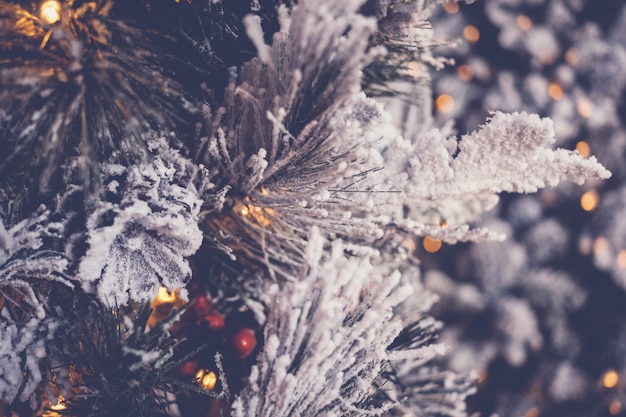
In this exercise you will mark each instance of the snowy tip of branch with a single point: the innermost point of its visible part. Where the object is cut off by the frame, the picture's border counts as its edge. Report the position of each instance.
(255, 33)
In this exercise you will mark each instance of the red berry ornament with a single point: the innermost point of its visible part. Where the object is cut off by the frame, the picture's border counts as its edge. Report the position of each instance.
(214, 320)
(244, 342)
(189, 368)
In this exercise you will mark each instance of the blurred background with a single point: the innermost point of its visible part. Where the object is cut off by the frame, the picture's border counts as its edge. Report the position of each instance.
(542, 315)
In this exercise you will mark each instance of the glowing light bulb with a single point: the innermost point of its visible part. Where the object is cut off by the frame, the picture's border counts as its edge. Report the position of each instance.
(471, 33)
(50, 11)
(164, 296)
(583, 149)
(431, 245)
(621, 259)
(209, 380)
(445, 103)
(610, 379)
(589, 200)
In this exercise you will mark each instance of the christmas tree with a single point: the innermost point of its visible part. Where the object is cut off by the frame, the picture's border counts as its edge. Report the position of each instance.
(214, 208)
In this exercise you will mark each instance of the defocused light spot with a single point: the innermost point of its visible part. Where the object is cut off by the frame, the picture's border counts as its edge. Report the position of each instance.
(482, 377)
(589, 200)
(445, 103)
(471, 33)
(532, 412)
(615, 407)
(444, 223)
(571, 57)
(585, 108)
(50, 11)
(610, 379)
(600, 245)
(555, 91)
(164, 296)
(465, 72)
(451, 7)
(431, 245)
(583, 149)
(524, 22)
(621, 259)
(409, 244)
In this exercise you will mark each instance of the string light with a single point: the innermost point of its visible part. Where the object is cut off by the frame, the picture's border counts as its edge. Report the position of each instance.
(471, 33)
(583, 149)
(610, 379)
(589, 200)
(431, 245)
(50, 11)
(209, 380)
(524, 22)
(164, 296)
(444, 103)
(555, 91)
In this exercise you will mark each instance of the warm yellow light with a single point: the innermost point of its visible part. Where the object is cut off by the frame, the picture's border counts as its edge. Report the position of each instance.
(615, 407)
(451, 7)
(60, 405)
(264, 190)
(444, 103)
(532, 412)
(482, 377)
(583, 149)
(244, 210)
(585, 108)
(444, 223)
(589, 200)
(164, 296)
(50, 11)
(431, 245)
(571, 57)
(524, 22)
(209, 380)
(555, 91)
(610, 379)
(465, 72)
(409, 244)
(413, 69)
(471, 33)
(199, 375)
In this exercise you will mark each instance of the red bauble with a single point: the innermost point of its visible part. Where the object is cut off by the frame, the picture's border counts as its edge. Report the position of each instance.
(244, 342)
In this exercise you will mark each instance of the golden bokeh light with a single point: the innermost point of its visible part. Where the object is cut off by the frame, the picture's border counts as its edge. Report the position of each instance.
(585, 108)
(431, 245)
(615, 407)
(524, 22)
(52, 409)
(471, 33)
(465, 72)
(50, 11)
(444, 103)
(555, 91)
(583, 149)
(165, 296)
(610, 379)
(451, 7)
(589, 200)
